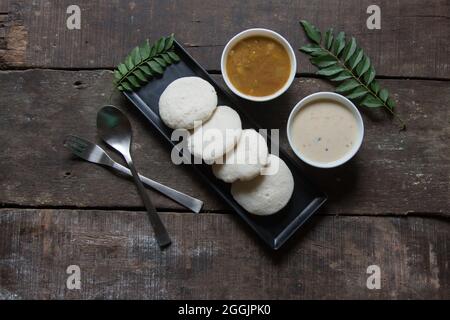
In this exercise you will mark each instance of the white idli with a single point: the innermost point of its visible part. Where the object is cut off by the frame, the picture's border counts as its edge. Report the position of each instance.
(246, 160)
(266, 194)
(216, 136)
(185, 101)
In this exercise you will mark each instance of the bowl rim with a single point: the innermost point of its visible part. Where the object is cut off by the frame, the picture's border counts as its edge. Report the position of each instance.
(264, 32)
(342, 100)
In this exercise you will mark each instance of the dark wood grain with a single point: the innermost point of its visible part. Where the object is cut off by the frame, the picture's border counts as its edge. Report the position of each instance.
(412, 42)
(394, 173)
(215, 257)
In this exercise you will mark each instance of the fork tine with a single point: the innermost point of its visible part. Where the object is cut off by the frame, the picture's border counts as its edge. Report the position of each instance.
(73, 150)
(74, 145)
(69, 143)
(77, 148)
(77, 140)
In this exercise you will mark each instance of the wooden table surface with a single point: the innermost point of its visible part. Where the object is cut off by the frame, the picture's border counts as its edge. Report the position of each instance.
(388, 207)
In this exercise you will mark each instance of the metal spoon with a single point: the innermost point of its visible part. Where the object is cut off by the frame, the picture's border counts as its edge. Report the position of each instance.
(115, 129)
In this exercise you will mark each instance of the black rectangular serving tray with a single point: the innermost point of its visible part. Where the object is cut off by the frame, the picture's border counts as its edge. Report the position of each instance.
(274, 229)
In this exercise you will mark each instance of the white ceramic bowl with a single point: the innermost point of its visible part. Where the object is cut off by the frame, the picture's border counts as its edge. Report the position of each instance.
(258, 32)
(345, 102)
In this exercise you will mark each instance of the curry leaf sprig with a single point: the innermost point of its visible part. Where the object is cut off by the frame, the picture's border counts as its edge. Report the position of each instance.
(145, 62)
(341, 60)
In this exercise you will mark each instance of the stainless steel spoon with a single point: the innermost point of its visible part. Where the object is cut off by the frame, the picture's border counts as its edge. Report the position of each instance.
(115, 129)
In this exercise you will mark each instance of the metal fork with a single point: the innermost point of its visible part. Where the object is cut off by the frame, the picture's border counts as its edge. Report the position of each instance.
(93, 153)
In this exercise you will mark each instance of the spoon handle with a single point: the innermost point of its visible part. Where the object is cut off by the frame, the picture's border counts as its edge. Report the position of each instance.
(160, 230)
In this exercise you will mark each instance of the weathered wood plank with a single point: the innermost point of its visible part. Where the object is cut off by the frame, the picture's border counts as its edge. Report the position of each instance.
(213, 256)
(394, 173)
(13, 36)
(413, 40)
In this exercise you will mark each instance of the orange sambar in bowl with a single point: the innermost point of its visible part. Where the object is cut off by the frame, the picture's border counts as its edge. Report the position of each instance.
(258, 66)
